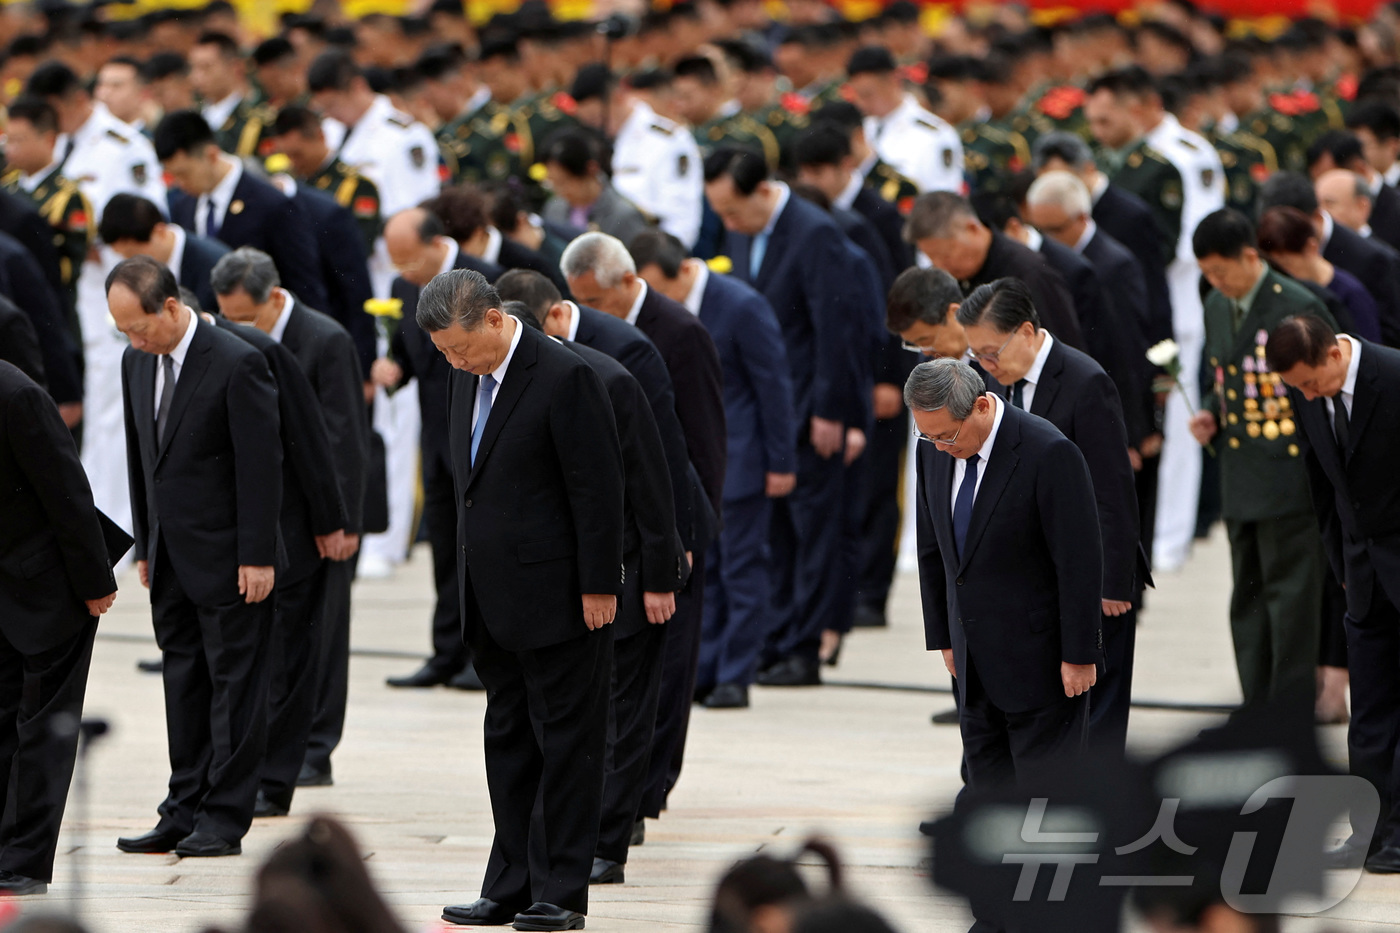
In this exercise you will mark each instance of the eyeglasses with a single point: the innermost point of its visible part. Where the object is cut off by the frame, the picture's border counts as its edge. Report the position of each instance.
(941, 441)
(995, 355)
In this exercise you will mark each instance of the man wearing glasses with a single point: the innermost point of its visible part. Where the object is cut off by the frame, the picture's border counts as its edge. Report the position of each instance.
(921, 311)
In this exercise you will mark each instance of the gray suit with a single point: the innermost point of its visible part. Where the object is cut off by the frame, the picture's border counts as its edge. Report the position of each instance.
(611, 214)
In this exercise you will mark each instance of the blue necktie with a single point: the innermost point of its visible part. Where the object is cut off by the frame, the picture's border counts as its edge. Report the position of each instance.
(211, 221)
(962, 505)
(483, 411)
(756, 252)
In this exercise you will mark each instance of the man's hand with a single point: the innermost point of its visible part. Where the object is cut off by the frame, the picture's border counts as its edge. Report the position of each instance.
(949, 663)
(1203, 427)
(1115, 607)
(777, 485)
(690, 560)
(368, 387)
(337, 545)
(598, 610)
(385, 372)
(659, 606)
(96, 607)
(827, 437)
(888, 400)
(71, 413)
(1151, 445)
(1077, 678)
(855, 444)
(1135, 459)
(255, 583)
(143, 570)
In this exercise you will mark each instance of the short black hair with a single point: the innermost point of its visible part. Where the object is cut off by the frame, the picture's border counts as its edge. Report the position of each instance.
(333, 70)
(35, 111)
(592, 80)
(1225, 233)
(698, 67)
(745, 55)
(843, 113)
(745, 167)
(129, 62)
(1344, 148)
(956, 68)
(439, 61)
(822, 144)
(129, 217)
(27, 46)
(1004, 305)
(1299, 338)
(274, 50)
(1378, 116)
(151, 281)
(295, 118)
(529, 287)
(870, 59)
(1131, 80)
(658, 248)
(573, 150)
(182, 131)
(226, 43)
(1167, 33)
(164, 65)
(1289, 189)
(499, 47)
(920, 295)
(53, 79)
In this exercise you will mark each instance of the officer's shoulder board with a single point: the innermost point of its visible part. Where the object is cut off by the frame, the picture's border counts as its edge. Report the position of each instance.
(663, 130)
(402, 120)
(931, 127)
(113, 134)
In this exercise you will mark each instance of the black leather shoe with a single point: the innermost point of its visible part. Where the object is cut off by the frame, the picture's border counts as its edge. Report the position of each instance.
(606, 871)
(791, 672)
(926, 828)
(869, 617)
(151, 667)
(728, 696)
(265, 807)
(1385, 862)
(19, 886)
(949, 717)
(151, 843)
(639, 833)
(468, 679)
(547, 917)
(206, 845)
(425, 676)
(1350, 854)
(314, 777)
(483, 912)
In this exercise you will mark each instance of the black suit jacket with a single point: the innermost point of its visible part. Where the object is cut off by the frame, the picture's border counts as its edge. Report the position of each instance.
(1385, 216)
(1125, 357)
(888, 223)
(344, 269)
(1378, 268)
(18, 344)
(1355, 493)
(200, 257)
(52, 554)
(22, 281)
(327, 356)
(515, 255)
(262, 217)
(21, 219)
(649, 538)
(310, 505)
(540, 512)
(213, 487)
(1024, 597)
(1127, 218)
(1052, 297)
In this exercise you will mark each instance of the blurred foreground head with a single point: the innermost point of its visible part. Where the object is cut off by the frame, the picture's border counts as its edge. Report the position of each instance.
(762, 894)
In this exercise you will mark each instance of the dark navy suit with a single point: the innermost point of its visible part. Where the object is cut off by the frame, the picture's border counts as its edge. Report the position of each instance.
(200, 256)
(344, 269)
(1127, 218)
(22, 281)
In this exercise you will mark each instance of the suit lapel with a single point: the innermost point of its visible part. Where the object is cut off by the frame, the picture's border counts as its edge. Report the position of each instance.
(999, 469)
(1363, 403)
(938, 485)
(1318, 427)
(777, 245)
(191, 372)
(143, 401)
(232, 229)
(1048, 386)
(518, 376)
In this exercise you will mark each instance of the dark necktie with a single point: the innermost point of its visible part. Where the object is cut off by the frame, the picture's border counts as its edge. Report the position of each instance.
(1341, 424)
(167, 392)
(1018, 399)
(962, 505)
(67, 152)
(211, 221)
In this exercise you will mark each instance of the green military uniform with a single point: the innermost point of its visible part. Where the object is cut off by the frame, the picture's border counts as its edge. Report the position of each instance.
(353, 191)
(243, 131)
(1279, 131)
(1248, 162)
(70, 215)
(892, 186)
(828, 93)
(1276, 606)
(992, 154)
(785, 119)
(1146, 173)
(1051, 108)
(739, 129)
(477, 146)
(541, 114)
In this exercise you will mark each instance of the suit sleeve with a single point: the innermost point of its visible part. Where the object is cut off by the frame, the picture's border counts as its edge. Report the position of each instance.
(347, 283)
(763, 355)
(1323, 493)
(296, 253)
(19, 346)
(257, 456)
(838, 302)
(648, 485)
(35, 234)
(590, 459)
(1098, 426)
(342, 404)
(1056, 307)
(700, 407)
(1384, 285)
(1069, 518)
(45, 452)
(30, 291)
(135, 471)
(1128, 366)
(645, 363)
(933, 578)
(305, 441)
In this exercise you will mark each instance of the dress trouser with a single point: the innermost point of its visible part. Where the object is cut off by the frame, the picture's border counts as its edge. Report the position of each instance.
(35, 689)
(806, 540)
(738, 595)
(296, 632)
(546, 736)
(1373, 737)
(215, 672)
(636, 688)
(1276, 605)
(999, 747)
(1113, 692)
(332, 664)
(882, 512)
(450, 652)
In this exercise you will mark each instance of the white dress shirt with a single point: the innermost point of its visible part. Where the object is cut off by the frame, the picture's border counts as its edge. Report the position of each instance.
(847, 197)
(492, 252)
(221, 197)
(177, 253)
(696, 296)
(279, 326)
(574, 316)
(449, 262)
(499, 373)
(177, 359)
(217, 114)
(1033, 374)
(983, 454)
(30, 182)
(636, 311)
(1348, 393)
(1090, 229)
(1326, 237)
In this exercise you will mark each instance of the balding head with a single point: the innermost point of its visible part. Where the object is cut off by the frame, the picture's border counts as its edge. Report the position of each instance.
(1345, 196)
(417, 245)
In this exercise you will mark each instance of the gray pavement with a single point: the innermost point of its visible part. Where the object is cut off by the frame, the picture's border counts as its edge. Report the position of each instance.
(856, 760)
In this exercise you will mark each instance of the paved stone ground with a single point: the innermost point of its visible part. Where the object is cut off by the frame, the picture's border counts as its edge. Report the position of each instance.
(856, 760)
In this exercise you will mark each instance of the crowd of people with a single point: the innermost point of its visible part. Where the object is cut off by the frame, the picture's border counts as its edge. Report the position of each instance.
(635, 309)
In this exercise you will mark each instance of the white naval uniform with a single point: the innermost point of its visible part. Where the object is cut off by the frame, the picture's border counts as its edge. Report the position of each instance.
(922, 147)
(108, 157)
(656, 166)
(1179, 482)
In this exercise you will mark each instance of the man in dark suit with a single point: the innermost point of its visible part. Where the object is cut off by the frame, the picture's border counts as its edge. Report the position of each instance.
(1344, 391)
(794, 254)
(465, 212)
(538, 477)
(1379, 202)
(1010, 571)
(21, 219)
(55, 580)
(133, 226)
(420, 249)
(760, 460)
(22, 281)
(316, 594)
(204, 459)
(217, 198)
(19, 346)
(601, 274)
(1035, 372)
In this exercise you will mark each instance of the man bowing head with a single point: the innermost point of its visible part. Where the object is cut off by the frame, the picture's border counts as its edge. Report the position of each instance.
(537, 474)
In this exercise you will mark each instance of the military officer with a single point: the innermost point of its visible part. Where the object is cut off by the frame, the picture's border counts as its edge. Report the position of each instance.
(716, 119)
(1248, 162)
(472, 149)
(1247, 419)
(879, 176)
(656, 166)
(297, 138)
(1252, 113)
(908, 137)
(229, 105)
(1145, 172)
(992, 152)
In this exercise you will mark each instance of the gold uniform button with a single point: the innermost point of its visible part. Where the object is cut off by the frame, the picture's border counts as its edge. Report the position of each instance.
(1234, 418)
(1270, 430)
(1252, 429)
(1231, 394)
(1234, 443)
(1232, 370)
(1292, 450)
(1286, 427)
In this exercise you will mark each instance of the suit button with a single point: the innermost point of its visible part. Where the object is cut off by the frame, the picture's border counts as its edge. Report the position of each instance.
(468, 503)
(959, 581)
